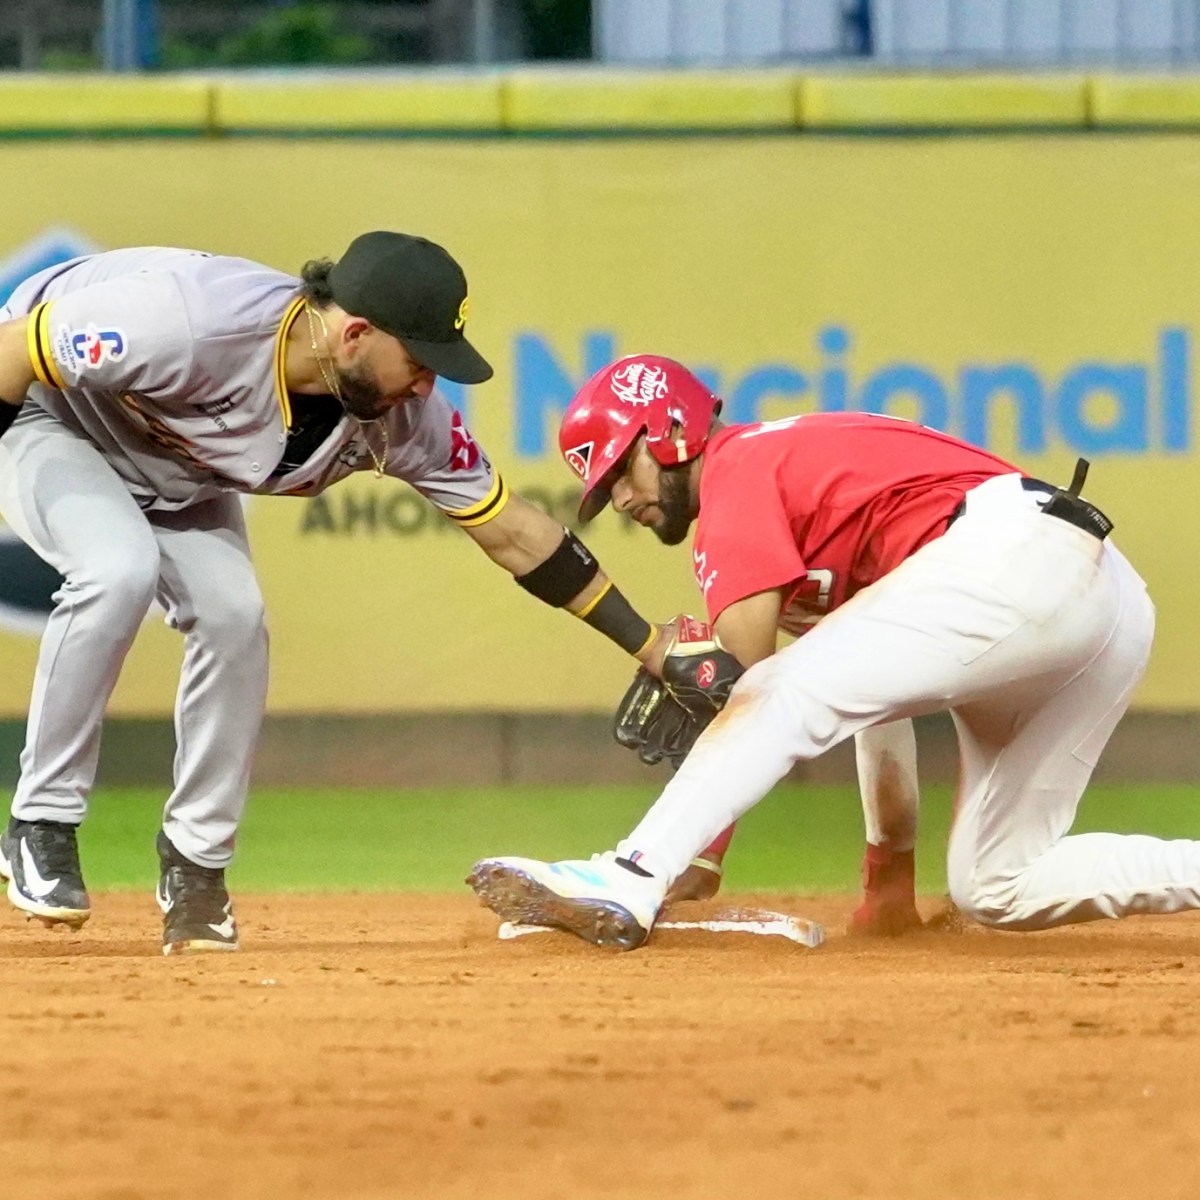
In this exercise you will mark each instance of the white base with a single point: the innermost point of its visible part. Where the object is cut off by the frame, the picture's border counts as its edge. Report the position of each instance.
(768, 924)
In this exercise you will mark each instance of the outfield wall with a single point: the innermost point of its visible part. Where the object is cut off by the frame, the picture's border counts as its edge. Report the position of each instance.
(498, 749)
(1033, 292)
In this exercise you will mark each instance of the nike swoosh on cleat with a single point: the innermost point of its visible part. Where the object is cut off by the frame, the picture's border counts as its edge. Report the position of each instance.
(34, 884)
(226, 929)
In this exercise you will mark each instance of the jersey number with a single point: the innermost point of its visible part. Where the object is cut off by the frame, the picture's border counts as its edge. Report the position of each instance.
(812, 598)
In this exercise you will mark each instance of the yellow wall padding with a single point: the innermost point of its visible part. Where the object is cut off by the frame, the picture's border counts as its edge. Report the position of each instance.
(416, 101)
(589, 100)
(649, 100)
(1145, 100)
(942, 101)
(102, 103)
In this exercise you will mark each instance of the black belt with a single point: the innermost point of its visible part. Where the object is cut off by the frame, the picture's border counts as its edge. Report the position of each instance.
(1065, 503)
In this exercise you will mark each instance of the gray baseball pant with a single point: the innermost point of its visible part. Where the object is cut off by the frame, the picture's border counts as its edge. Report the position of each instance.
(62, 497)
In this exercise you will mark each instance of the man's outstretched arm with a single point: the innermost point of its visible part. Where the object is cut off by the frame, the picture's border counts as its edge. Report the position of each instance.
(551, 563)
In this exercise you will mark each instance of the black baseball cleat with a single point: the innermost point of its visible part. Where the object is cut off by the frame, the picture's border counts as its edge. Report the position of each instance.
(40, 860)
(197, 911)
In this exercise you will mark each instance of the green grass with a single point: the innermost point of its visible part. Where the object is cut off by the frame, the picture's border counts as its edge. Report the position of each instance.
(425, 840)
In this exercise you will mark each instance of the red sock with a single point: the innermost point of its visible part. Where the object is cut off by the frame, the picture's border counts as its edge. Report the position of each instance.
(888, 872)
(715, 850)
(889, 903)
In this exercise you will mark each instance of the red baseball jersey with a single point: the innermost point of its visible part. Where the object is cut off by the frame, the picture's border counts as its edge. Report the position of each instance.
(822, 505)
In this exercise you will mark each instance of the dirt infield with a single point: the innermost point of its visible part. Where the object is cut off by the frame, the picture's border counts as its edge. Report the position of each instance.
(390, 1046)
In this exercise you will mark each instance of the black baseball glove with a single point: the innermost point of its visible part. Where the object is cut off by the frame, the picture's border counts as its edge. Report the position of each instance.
(663, 718)
(652, 722)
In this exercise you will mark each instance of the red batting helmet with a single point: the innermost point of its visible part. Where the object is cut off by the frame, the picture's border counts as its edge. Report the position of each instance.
(642, 393)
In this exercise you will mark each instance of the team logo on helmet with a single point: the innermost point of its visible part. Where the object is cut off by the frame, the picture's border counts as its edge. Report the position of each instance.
(637, 383)
(579, 459)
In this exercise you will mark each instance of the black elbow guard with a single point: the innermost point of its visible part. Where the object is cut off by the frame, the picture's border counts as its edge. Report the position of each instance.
(565, 574)
(562, 576)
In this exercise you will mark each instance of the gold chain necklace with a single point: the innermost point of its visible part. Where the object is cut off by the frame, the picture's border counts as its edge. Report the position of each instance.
(331, 382)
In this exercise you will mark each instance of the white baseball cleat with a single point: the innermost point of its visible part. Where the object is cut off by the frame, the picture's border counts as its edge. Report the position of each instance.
(596, 899)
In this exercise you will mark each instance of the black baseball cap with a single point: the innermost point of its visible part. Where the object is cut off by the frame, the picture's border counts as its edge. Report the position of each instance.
(411, 288)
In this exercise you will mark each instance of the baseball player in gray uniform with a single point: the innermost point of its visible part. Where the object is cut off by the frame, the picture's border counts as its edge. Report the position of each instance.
(142, 391)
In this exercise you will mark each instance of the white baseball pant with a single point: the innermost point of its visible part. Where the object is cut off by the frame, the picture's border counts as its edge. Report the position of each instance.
(1033, 634)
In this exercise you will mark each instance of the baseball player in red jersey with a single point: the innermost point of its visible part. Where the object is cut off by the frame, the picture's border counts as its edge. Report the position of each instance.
(944, 579)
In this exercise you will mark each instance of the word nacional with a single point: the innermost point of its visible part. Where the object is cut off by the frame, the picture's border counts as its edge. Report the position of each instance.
(1092, 406)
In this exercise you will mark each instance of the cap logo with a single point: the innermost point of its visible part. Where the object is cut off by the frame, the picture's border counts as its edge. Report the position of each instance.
(579, 459)
(463, 309)
(639, 384)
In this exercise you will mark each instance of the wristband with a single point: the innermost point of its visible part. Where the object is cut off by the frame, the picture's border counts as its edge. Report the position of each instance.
(8, 414)
(612, 615)
(562, 576)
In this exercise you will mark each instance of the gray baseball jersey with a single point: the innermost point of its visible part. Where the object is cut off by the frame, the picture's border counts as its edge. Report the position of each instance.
(171, 362)
(160, 394)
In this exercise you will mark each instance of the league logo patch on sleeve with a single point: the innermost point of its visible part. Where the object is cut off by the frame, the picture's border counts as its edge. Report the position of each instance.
(87, 349)
(464, 450)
